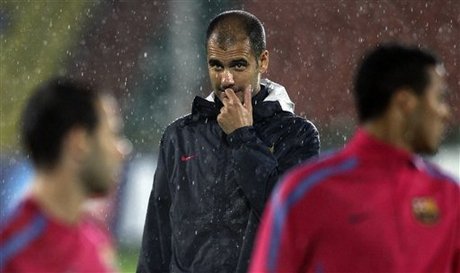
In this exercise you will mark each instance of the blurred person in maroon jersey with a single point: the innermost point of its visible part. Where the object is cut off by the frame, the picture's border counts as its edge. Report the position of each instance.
(374, 206)
(72, 135)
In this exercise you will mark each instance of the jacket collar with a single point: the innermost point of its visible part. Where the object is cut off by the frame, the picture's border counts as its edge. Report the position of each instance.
(271, 99)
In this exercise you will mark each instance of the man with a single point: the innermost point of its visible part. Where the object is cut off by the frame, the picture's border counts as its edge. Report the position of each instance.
(217, 166)
(71, 135)
(374, 206)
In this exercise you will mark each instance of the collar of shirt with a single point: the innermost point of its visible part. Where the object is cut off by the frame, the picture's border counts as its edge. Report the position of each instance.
(371, 147)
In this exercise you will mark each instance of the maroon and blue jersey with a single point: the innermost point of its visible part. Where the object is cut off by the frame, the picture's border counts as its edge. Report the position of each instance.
(370, 207)
(31, 241)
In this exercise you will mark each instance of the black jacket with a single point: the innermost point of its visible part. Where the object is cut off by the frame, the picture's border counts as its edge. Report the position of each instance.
(210, 188)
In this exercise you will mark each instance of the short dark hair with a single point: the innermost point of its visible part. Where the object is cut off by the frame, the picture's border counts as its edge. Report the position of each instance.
(250, 25)
(384, 70)
(54, 108)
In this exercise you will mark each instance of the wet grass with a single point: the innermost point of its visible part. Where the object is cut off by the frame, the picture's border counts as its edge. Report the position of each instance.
(127, 260)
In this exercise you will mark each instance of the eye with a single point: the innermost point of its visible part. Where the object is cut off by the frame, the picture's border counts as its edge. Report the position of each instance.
(240, 66)
(215, 66)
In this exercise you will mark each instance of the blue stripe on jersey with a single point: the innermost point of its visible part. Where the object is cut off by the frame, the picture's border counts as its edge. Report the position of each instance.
(21, 239)
(319, 268)
(8, 215)
(281, 207)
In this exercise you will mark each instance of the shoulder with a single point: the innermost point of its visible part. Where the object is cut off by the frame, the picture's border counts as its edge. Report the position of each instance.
(323, 167)
(179, 122)
(177, 125)
(314, 173)
(291, 118)
(181, 130)
(305, 124)
(24, 225)
(25, 213)
(292, 122)
(294, 131)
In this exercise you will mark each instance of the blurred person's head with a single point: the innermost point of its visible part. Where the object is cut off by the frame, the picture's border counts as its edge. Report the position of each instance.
(68, 126)
(406, 86)
(236, 52)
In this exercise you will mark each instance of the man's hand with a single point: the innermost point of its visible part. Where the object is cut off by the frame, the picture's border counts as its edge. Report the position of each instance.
(233, 114)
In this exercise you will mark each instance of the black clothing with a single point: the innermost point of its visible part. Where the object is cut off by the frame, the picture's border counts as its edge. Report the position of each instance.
(210, 188)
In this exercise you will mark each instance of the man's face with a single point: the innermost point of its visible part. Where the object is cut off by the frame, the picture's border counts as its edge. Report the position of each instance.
(428, 121)
(234, 67)
(103, 163)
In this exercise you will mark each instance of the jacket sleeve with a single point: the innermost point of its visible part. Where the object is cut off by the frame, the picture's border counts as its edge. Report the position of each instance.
(155, 253)
(257, 167)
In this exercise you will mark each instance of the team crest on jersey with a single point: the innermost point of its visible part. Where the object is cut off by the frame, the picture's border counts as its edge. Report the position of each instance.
(425, 210)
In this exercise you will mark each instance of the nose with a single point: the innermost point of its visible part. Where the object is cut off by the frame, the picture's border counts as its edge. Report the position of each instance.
(123, 147)
(227, 79)
(445, 111)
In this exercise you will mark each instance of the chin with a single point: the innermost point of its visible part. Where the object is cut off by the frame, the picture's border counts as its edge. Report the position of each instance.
(101, 192)
(102, 189)
(428, 150)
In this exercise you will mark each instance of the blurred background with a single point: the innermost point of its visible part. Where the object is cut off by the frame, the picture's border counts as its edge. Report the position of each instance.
(151, 55)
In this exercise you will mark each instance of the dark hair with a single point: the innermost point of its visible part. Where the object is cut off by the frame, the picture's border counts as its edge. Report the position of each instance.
(386, 69)
(54, 108)
(246, 23)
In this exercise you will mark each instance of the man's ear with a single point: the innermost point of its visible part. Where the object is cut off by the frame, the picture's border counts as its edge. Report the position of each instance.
(76, 144)
(263, 61)
(405, 100)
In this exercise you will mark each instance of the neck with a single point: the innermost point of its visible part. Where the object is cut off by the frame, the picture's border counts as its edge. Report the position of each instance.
(59, 196)
(389, 132)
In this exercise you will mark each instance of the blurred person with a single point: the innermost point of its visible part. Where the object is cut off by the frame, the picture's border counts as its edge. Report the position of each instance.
(71, 134)
(375, 205)
(217, 166)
